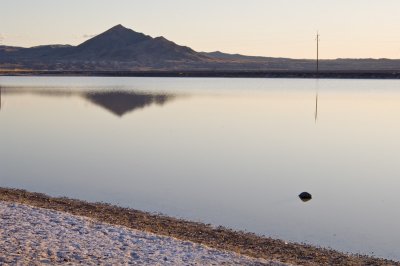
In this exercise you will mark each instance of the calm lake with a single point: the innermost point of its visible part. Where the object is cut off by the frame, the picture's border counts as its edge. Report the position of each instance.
(231, 152)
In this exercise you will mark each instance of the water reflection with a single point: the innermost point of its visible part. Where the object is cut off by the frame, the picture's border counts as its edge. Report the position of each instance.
(118, 103)
(316, 108)
(236, 154)
(316, 102)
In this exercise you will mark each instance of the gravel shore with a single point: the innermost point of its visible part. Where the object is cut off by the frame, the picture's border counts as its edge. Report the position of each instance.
(30, 235)
(216, 245)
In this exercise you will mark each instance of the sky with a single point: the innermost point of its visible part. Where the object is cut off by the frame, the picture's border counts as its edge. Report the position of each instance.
(276, 28)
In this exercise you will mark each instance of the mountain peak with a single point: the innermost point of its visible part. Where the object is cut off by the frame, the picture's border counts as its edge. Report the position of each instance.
(118, 27)
(120, 30)
(116, 38)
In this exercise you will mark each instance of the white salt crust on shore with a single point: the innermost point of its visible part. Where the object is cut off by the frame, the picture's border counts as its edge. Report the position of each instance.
(30, 235)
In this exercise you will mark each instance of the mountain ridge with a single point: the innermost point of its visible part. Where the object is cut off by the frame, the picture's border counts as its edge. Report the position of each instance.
(123, 49)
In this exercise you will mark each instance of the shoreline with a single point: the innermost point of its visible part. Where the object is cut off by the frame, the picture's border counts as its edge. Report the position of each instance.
(220, 238)
(33, 236)
(323, 74)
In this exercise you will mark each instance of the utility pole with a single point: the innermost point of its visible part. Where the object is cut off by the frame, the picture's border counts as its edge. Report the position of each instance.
(317, 39)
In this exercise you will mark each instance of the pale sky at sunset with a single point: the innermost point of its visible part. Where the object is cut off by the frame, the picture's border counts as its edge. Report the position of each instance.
(277, 28)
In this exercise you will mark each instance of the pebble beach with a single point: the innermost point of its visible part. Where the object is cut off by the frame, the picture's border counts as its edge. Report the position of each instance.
(36, 235)
(36, 229)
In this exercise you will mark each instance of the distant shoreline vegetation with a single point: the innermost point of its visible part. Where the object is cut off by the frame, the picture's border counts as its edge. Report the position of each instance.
(383, 74)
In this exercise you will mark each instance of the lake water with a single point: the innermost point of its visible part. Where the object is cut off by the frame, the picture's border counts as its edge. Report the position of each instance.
(232, 152)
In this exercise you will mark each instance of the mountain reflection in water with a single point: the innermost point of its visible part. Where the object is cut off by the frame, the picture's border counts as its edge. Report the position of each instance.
(118, 103)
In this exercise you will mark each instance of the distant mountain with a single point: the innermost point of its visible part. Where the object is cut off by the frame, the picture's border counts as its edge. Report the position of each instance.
(122, 49)
(122, 44)
(117, 48)
(235, 57)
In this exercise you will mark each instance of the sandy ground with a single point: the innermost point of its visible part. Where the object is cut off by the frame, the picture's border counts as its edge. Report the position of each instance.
(35, 235)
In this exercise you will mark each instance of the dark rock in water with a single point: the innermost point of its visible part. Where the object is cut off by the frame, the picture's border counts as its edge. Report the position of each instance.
(305, 196)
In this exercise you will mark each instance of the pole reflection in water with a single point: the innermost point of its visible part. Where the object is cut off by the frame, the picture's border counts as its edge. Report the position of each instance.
(316, 108)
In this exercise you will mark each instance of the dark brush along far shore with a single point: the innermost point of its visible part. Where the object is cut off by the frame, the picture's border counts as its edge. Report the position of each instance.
(122, 50)
(216, 74)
